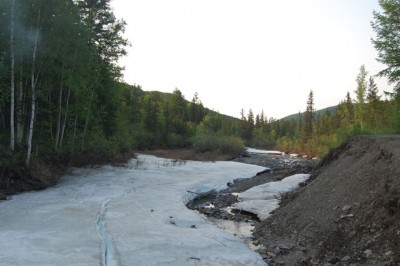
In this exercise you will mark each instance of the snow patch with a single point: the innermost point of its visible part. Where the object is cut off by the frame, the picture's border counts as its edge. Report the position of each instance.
(252, 150)
(263, 199)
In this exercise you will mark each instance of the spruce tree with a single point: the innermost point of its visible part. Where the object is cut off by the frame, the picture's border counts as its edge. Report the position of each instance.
(309, 117)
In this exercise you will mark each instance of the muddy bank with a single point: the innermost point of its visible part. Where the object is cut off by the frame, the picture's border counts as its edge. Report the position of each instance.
(279, 167)
(218, 206)
(348, 213)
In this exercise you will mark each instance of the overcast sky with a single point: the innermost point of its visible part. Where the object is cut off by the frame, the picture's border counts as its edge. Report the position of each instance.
(259, 54)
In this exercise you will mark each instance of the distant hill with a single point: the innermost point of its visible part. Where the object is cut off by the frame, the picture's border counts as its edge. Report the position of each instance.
(137, 90)
(318, 113)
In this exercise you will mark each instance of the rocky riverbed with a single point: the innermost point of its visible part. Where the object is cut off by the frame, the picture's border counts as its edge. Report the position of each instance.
(280, 166)
(219, 208)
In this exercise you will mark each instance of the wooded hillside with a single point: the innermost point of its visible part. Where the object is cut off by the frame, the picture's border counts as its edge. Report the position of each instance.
(62, 94)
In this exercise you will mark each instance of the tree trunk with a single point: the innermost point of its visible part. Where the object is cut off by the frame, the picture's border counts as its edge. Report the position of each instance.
(87, 118)
(57, 139)
(20, 109)
(12, 104)
(33, 99)
(74, 134)
(2, 125)
(65, 120)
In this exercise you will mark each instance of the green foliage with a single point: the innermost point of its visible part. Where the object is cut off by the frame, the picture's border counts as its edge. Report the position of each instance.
(83, 108)
(232, 146)
(315, 134)
(386, 25)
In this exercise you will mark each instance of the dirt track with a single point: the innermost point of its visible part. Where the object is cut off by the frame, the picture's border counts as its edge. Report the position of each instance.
(347, 214)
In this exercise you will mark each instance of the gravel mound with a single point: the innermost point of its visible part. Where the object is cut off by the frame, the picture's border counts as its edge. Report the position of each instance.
(348, 213)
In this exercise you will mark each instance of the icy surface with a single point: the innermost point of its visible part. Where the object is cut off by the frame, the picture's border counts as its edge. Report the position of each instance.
(263, 199)
(252, 150)
(123, 216)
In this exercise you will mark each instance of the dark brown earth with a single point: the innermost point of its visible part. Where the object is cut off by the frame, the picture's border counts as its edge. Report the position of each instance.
(45, 171)
(348, 213)
(188, 154)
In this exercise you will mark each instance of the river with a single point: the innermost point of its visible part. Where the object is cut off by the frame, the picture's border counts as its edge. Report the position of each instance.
(133, 215)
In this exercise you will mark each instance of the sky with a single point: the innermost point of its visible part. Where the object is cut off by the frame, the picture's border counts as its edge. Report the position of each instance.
(250, 54)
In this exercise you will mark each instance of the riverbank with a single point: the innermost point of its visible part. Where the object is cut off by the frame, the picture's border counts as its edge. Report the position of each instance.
(347, 213)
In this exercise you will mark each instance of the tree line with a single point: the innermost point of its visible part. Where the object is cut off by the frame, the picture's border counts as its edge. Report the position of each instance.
(367, 113)
(58, 71)
(61, 93)
(314, 133)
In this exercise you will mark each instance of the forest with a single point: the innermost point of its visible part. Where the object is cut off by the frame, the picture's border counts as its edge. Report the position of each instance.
(62, 94)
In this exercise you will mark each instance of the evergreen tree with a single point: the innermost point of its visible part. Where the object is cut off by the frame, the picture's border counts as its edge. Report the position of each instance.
(361, 91)
(196, 109)
(309, 117)
(386, 25)
(373, 99)
(346, 112)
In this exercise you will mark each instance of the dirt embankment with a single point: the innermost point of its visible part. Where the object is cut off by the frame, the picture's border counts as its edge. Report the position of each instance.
(45, 171)
(348, 213)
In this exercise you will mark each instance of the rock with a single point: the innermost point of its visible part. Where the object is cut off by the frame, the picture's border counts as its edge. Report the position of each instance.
(346, 216)
(271, 254)
(172, 222)
(367, 253)
(303, 249)
(193, 226)
(3, 196)
(277, 250)
(346, 208)
(333, 260)
(388, 253)
(345, 258)
(283, 246)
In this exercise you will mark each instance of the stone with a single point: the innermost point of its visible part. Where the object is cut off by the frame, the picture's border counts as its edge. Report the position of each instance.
(367, 253)
(277, 250)
(271, 254)
(389, 253)
(345, 258)
(3, 196)
(333, 260)
(346, 208)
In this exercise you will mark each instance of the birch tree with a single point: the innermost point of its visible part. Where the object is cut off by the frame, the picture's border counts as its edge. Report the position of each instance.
(34, 79)
(12, 79)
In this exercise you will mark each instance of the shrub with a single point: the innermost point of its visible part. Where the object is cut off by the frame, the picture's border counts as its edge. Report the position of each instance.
(222, 144)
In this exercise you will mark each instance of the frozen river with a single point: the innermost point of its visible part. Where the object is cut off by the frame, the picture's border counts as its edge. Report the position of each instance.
(123, 216)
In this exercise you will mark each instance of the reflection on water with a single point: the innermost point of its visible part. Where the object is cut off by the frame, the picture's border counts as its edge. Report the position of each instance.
(243, 230)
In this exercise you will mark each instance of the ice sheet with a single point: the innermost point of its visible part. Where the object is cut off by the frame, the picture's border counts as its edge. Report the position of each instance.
(263, 199)
(123, 216)
(252, 150)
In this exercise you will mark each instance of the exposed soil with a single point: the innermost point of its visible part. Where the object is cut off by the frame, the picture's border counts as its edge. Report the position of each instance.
(213, 204)
(188, 154)
(40, 174)
(45, 171)
(348, 213)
